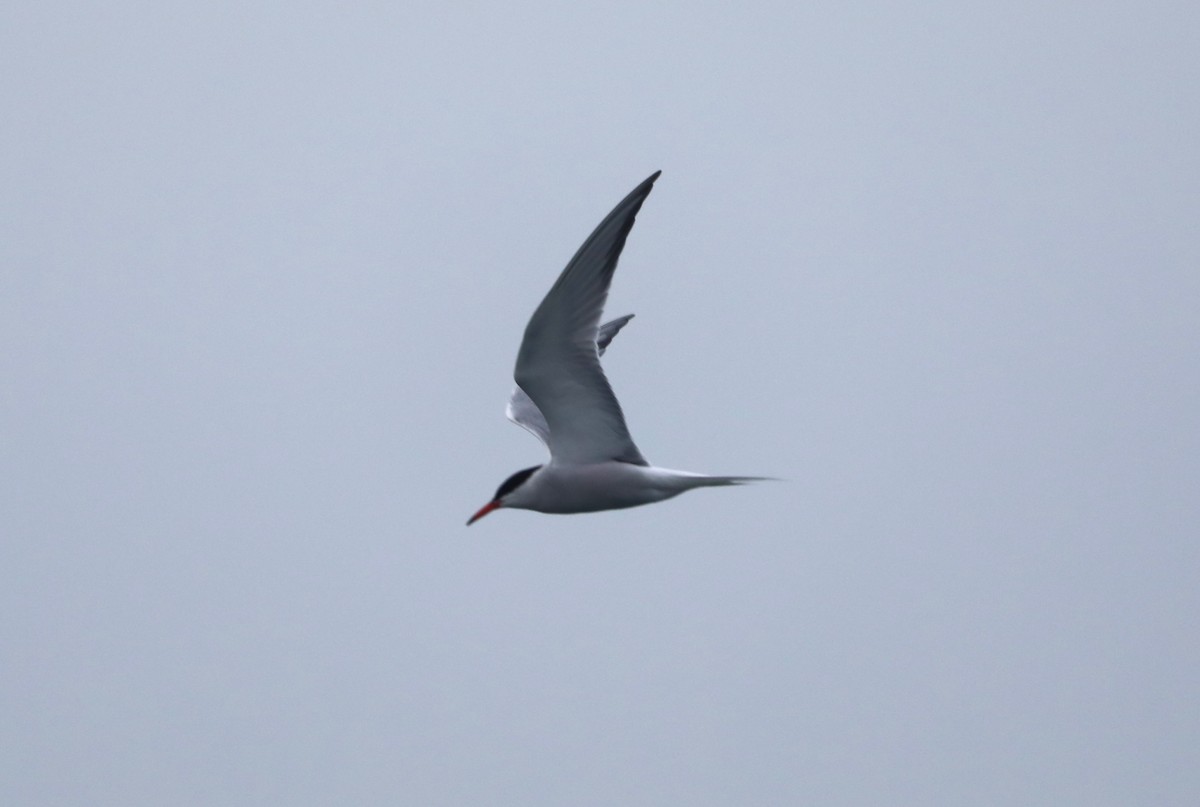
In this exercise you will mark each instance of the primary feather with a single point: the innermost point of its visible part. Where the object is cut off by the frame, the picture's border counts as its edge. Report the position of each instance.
(558, 364)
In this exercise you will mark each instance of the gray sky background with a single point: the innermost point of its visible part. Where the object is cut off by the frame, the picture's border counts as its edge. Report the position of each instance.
(263, 272)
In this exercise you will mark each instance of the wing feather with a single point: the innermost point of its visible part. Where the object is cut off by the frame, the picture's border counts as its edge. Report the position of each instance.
(558, 364)
(524, 412)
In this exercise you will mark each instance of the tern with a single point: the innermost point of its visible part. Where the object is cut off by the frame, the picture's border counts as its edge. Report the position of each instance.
(564, 399)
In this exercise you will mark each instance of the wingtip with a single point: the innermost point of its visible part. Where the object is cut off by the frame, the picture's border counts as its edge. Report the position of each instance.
(643, 189)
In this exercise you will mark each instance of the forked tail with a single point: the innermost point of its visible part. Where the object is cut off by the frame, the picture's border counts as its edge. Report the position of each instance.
(705, 481)
(717, 481)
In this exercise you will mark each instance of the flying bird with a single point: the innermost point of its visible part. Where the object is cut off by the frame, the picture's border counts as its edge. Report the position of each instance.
(563, 398)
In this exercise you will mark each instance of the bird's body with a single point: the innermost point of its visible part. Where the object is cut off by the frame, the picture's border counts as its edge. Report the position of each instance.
(563, 398)
(610, 485)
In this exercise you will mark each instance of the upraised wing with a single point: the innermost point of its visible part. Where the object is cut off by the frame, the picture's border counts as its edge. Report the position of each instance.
(558, 365)
(524, 412)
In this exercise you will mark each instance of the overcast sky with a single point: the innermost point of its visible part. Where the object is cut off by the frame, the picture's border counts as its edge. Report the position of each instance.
(263, 273)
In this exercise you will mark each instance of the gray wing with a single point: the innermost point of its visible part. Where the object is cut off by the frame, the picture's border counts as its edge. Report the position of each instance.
(524, 412)
(558, 365)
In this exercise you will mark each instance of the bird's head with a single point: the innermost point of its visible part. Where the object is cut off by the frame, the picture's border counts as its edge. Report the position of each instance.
(504, 493)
